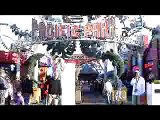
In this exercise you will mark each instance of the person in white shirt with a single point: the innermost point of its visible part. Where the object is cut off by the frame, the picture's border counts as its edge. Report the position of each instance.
(138, 84)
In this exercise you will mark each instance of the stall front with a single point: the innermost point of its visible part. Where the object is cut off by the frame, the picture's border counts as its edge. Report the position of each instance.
(8, 61)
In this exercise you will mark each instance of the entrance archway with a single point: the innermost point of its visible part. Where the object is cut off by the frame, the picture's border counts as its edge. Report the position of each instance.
(31, 63)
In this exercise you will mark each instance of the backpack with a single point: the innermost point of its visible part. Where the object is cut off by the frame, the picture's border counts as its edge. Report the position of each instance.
(2, 84)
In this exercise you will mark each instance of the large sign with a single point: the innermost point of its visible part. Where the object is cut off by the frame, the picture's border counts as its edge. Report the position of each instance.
(100, 30)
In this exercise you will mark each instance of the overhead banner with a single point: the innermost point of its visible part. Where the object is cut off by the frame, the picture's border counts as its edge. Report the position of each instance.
(50, 30)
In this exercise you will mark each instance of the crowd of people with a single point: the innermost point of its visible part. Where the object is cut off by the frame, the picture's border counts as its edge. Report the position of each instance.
(20, 91)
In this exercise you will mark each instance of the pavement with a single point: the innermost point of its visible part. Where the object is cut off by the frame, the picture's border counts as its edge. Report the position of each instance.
(95, 98)
(129, 100)
(91, 97)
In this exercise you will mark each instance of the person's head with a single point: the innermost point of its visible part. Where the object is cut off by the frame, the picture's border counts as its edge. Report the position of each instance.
(17, 78)
(28, 76)
(19, 93)
(137, 73)
(150, 70)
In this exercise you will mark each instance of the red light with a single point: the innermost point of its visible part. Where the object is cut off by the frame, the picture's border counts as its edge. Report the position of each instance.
(148, 65)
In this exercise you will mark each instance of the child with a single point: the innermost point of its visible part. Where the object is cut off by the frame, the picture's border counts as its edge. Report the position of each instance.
(118, 95)
(19, 100)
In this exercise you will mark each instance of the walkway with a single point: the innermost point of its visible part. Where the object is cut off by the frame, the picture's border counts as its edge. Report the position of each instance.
(91, 97)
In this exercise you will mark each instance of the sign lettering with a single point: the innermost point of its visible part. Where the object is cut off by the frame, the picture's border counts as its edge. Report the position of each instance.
(94, 30)
(42, 30)
(49, 32)
(86, 31)
(112, 27)
(34, 25)
(56, 31)
(107, 29)
(103, 30)
(74, 32)
(100, 30)
(60, 30)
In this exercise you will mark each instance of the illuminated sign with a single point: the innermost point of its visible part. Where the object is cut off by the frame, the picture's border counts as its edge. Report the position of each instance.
(148, 65)
(100, 30)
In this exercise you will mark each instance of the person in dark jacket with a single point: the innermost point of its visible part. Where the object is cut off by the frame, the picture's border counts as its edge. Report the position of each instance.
(55, 89)
(27, 89)
(51, 91)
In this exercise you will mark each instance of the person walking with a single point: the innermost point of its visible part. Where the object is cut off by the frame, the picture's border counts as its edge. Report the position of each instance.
(9, 93)
(138, 84)
(44, 90)
(55, 89)
(3, 87)
(119, 98)
(27, 89)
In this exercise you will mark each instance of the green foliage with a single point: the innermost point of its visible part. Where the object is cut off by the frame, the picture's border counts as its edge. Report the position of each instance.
(89, 48)
(65, 48)
(32, 62)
